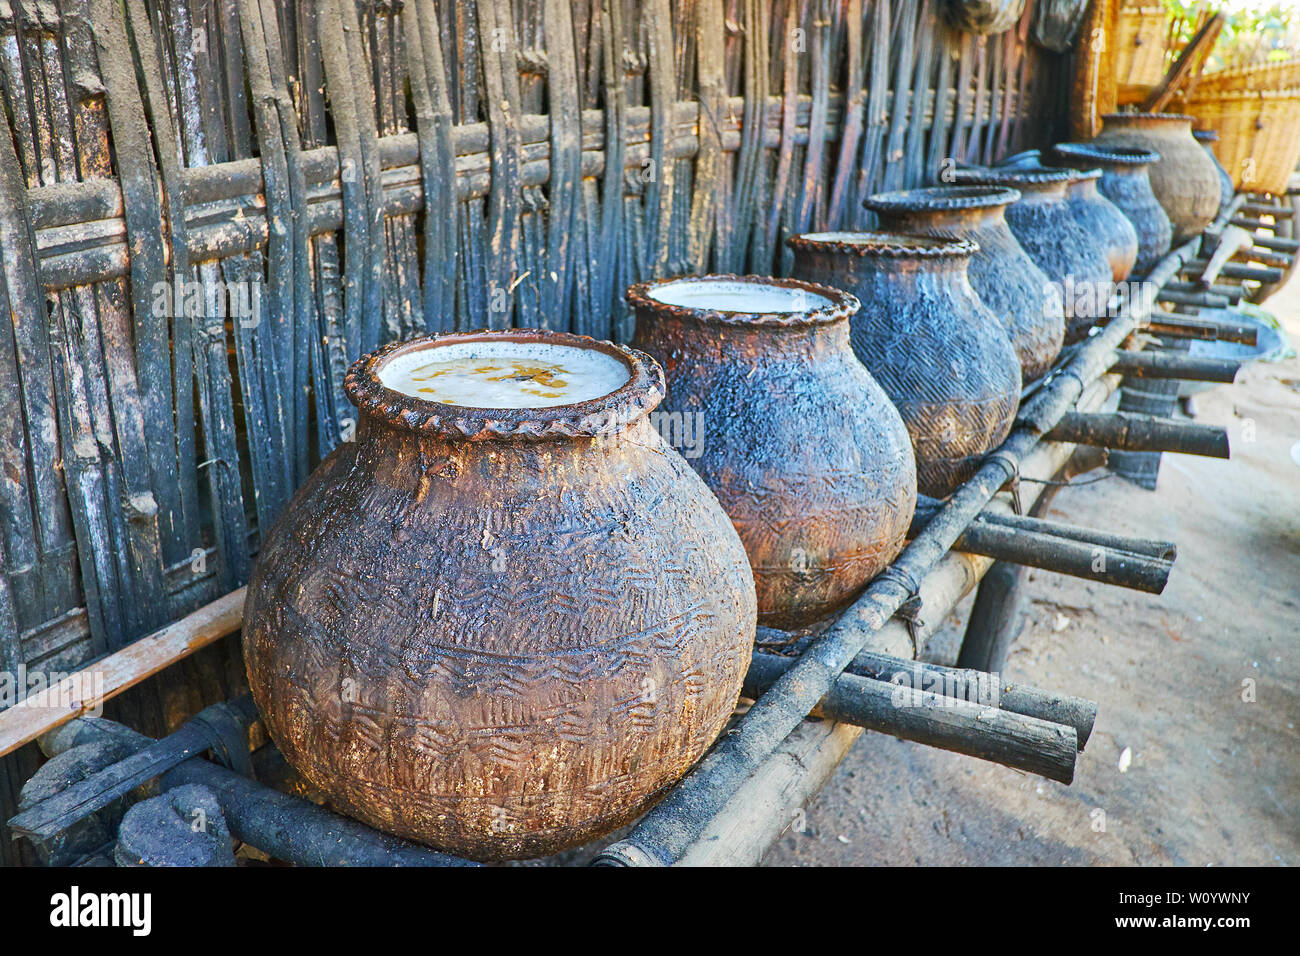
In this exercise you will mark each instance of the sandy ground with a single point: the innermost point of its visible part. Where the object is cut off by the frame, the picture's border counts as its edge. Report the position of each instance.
(1197, 685)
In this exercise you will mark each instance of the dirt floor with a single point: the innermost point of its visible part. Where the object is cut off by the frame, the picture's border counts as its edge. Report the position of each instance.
(1195, 759)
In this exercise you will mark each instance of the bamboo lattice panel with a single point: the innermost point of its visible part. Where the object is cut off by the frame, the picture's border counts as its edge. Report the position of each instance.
(375, 171)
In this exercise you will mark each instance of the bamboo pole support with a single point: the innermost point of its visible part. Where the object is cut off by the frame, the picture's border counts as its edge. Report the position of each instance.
(663, 834)
(1178, 325)
(1132, 432)
(1166, 365)
(282, 826)
(949, 723)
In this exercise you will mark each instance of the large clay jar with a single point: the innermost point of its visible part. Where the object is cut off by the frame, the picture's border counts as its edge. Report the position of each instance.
(500, 631)
(1101, 217)
(799, 443)
(1207, 138)
(1073, 259)
(1003, 275)
(1126, 183)
(1092, 209)
(1184, 180)
(934, 347)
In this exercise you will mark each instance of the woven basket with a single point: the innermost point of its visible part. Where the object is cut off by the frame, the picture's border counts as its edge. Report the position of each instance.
(1141, 42)
(1256, 76)
(1259, 134)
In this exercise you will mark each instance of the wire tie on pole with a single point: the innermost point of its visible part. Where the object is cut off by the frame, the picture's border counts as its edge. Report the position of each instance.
(1013, 482)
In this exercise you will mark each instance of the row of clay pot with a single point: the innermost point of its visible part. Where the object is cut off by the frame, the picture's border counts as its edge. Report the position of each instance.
(505, 631)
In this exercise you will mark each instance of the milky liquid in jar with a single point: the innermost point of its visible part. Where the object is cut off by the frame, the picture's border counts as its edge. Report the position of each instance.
(728, 295)
(504, 374)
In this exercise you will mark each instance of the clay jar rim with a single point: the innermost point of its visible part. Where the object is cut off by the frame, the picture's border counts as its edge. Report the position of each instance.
(1133, 119)
(1107, 155)
(884, 245)
(942, 199)
(1017, 177)
(842, 304)
(608, 414)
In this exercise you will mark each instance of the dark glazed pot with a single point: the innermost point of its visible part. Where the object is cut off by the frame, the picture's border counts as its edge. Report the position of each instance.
(1207, 138)
(1073, 259)
(1101, 217)
(800, 444)
(1124, 181)
(1092, 209)
(1003, 275)
(1184, 180)
(937, 351)
(500, 632)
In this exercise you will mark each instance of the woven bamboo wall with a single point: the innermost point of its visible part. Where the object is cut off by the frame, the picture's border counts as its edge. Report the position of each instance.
(380, 170)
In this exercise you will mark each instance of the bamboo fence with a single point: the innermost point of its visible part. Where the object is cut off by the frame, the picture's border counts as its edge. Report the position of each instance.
(209, 208)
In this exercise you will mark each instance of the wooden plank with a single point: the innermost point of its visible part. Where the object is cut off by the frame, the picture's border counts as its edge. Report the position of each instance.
(854, 105)
(873, 139)
(813, 189)
(891, 176)
(750, 179)
(501, 98)
(301, 320)
(927, 34)
(430, 95)
(119, 671)
(109, 344)
(330, 354)
(565, 184)
(657, 24)
(361, 301)
(133, 152)
(711, 203)
(199, 130)
(611, 188)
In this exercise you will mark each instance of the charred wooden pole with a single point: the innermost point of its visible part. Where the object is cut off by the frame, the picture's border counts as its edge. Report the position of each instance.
(1235, 270)
(1166, 365)
(1232, 293)
(1151, 547)
(981, 687)
(994, 619)
(222, 726)
(1089, 561)
(1200, 300)
(949, 723)
(1178, 325)
(283, 826)
(1130, 432)
(1143, 565)
(665, 832)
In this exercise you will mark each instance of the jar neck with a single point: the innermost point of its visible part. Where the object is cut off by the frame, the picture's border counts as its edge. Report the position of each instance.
(956, 222)
(1042, 194)
(1083, 189)
(903, 276)
(713, 341)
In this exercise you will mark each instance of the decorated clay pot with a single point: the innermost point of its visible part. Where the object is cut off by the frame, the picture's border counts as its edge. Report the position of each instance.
(1125, 182)
(1101, 217)
(801, 446)
(1091, 209)
(925, 336)
(1184, 180)
(1003, 275)
(1073, 259)
(1207, 138)
(508, 616)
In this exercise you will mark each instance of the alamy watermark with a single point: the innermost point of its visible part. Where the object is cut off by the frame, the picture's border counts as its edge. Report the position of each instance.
(61, 690)
(238, 300)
